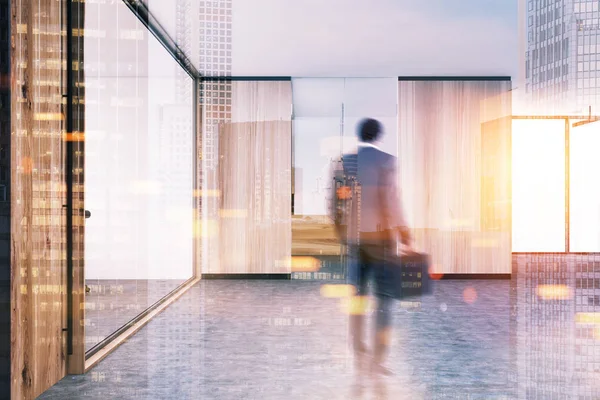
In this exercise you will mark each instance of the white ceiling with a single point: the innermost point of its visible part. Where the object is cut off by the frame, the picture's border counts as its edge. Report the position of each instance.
(364, 38)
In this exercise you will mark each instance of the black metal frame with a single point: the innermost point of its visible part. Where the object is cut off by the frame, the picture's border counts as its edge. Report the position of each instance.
(453, 78)
(247, 78)
(140, 10)
(69, 174)
(568, 124)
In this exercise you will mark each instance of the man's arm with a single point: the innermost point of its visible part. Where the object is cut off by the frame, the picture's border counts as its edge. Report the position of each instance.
(393, 210)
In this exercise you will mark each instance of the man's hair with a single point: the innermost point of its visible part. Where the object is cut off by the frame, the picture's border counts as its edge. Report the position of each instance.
(369, 130)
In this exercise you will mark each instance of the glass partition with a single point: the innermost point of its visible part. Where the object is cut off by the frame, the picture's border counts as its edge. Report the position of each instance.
(318, 137)
(138, 170)
(584, 210)
(372, 98)
(326, 114)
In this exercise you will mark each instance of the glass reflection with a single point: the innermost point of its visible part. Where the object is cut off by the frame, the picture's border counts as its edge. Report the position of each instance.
(555, 342)
(138, 170)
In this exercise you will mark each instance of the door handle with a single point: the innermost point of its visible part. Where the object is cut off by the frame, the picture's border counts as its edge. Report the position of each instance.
(85, 213)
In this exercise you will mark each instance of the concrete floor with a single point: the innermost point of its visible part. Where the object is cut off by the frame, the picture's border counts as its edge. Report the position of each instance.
(283, 340)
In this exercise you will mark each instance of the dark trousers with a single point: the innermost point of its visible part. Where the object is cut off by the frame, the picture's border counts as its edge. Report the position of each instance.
(365, 266)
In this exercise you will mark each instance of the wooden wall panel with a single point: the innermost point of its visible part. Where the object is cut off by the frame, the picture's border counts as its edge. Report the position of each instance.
(255, 225)
(37, 198)
(5, 272)
(254, 230)
(442, 165)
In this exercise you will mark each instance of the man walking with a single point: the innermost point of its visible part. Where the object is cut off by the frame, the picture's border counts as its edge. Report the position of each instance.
(371, 225)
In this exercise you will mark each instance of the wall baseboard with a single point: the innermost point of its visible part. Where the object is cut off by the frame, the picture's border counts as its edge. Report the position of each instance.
(248, 276)
(475, 276)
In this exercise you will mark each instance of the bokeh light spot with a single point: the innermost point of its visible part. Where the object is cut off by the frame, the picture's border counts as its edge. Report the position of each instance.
(337, 291)
(436, 276)
(469, 295)
(554, 292)
(305, 264)
(356, 305)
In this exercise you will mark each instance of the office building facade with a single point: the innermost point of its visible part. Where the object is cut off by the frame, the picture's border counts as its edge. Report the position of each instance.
(562, 60)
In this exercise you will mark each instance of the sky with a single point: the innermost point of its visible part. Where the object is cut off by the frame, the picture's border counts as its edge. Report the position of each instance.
(375, 37)
(367, 38)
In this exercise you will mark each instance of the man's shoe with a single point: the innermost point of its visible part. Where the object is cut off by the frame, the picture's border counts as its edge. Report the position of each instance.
(378, 369)
(361, 361)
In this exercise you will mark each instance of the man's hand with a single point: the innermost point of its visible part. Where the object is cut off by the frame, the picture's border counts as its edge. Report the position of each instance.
(405, 236)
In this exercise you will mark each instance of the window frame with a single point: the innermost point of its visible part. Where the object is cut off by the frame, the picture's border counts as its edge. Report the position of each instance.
(571, 121)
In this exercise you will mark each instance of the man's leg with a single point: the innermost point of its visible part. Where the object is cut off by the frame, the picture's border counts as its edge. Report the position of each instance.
(358, 306)
(383, 329)
(383, 318)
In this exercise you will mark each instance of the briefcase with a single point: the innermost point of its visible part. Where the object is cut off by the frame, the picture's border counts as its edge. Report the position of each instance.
(405, 276)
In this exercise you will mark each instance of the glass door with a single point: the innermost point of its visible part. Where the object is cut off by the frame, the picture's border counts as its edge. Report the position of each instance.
(139, 173)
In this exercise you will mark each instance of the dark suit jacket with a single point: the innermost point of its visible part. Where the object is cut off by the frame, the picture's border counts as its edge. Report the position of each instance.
(380, 208)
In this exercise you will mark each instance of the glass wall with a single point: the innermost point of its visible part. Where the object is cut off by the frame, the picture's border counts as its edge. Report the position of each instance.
(139, 152)
(326, 114)
(584, 202)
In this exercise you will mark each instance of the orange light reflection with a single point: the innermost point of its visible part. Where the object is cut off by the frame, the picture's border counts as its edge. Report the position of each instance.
(305, 264)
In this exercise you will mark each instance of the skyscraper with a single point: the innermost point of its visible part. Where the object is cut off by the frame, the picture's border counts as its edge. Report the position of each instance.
(562, 58)
(214, 25)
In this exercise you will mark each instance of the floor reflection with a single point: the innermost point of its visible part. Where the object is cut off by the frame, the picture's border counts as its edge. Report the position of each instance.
(556, 349)
(110, 304)
(533, 337)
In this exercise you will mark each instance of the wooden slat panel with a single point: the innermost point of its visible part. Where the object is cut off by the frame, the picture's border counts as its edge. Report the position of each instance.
(5, 245)
(255, 224)
(37, 197)
(440, 152)
(254, 230)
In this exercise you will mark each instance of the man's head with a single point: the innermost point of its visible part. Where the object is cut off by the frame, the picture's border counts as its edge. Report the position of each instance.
(369, 130)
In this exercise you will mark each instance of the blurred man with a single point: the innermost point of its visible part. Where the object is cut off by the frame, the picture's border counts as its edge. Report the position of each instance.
(369, 219)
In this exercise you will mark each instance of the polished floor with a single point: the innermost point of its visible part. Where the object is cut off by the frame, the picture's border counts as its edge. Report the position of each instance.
(284, 340)
(110, 304)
